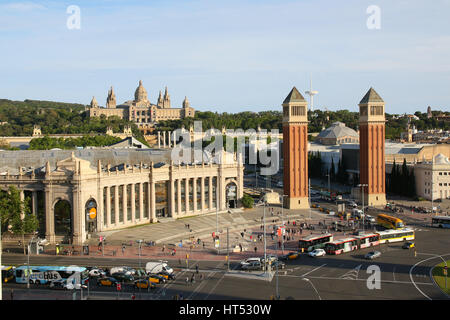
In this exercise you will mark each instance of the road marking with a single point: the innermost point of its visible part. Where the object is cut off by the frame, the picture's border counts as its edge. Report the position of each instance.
(314, 270)
(393, 273)
(333, 278)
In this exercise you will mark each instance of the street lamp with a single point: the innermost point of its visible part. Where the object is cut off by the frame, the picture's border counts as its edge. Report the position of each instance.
(139, 253)
(28, 254)
(362, 185)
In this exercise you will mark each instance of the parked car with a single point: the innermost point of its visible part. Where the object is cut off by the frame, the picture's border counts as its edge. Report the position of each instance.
(279, 264)
(317, 253)
(156, 278)
(372, 255)
(166, 275)
(144, 284)
(408, 245)
(253, 265)
(290, 256)
(122, 276)
(107, 281)
(249, 260)
(95, 272)
(370, 219)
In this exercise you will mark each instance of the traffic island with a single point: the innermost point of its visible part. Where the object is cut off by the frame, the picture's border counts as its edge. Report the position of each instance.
(440, 276)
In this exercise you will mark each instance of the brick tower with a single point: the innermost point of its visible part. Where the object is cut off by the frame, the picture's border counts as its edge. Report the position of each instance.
(371, 148)
(295, 150)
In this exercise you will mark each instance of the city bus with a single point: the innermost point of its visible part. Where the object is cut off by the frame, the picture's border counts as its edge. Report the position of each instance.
(47, 274)
(387, 236)
(440, 222)
(341, 245)
(368, 240)
(7, 273)
(312, 242)
(390, 222)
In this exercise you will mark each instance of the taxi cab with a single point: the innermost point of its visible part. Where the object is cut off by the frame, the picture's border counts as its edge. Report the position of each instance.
(408, 245)
(107, 281)
(166, 275)
(144, 284)
(290, 256)
(154, 278)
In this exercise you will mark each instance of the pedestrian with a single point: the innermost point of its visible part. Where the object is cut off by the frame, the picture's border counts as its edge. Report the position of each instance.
(196, 268)
(133, 296)
(12, 294)
(201, 277)
(164, 247)
(123, 250)
(240, 247)
(187, 281)
(256, 249)
(193, 278)
(203, 245)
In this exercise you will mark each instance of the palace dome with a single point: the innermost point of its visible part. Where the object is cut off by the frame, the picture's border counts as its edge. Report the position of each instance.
(140, 94)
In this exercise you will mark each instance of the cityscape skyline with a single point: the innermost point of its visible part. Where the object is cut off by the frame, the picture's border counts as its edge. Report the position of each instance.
(226, 56)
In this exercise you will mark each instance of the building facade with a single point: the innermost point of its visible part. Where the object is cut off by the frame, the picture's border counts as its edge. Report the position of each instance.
(140, 110)
(433, 178)
(337, 134)
(371, 139)
(295, 150)
(76, 199)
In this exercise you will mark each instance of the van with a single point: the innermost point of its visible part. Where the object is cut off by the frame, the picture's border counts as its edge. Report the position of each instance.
(357, 213)
(156, 267)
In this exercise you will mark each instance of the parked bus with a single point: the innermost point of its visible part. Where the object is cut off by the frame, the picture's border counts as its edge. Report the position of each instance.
(368, 240)
(390, 222)
(47, 274)
(341, 245)
(312, 242)
(7, 273)
(440, 222)
(387, 236)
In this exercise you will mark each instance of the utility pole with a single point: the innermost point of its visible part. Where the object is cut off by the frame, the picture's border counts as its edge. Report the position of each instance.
(265, 255)
(228, 250)
(309, 193)
(362, 188)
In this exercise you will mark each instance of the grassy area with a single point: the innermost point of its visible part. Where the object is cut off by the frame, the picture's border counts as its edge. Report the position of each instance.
(438, 275)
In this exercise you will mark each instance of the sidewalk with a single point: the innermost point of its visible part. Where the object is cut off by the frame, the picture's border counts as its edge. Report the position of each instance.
(202, 228)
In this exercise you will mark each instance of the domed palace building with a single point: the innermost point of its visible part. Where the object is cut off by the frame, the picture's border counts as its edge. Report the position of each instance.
(337, 134)
(140, 110)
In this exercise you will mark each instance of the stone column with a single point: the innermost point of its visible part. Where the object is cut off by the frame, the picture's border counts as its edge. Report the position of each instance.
(100, 210)
(141, 202)
(202, 193)
(172, 197)
(133, 203)
(179, 196)
(49, 215)
(116, 204)
(152, 201)
(169, 140)
(210, 193)
(159, 139)
(194, 193)
(78, 215)
(108, 207)
(124, 204)
(34, 202)
(164, 139)
(186, 193)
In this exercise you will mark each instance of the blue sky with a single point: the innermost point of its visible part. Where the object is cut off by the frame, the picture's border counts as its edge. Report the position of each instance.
(228, 55)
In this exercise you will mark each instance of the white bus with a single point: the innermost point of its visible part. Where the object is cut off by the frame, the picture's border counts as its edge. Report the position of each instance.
(391, 235)
(440, 222)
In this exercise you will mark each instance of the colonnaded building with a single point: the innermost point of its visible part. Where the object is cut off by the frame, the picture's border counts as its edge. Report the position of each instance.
(76, 194)
(140, 110)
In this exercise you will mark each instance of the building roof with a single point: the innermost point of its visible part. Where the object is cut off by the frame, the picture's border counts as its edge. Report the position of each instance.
(129, 142)
(441, 159)
(371, 96)
(294, 96)
(338, 130)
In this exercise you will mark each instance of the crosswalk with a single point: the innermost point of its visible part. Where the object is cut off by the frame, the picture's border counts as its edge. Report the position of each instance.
(352, 274)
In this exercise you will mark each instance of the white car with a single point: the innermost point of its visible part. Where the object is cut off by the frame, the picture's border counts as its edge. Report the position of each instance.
(317, 253)
(250, 260)
(97, 273)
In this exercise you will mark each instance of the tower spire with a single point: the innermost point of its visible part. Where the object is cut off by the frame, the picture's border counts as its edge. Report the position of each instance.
(311, 94)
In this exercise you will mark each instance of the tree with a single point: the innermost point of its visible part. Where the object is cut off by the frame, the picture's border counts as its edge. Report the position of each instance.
(247, 201)
(15, 213)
